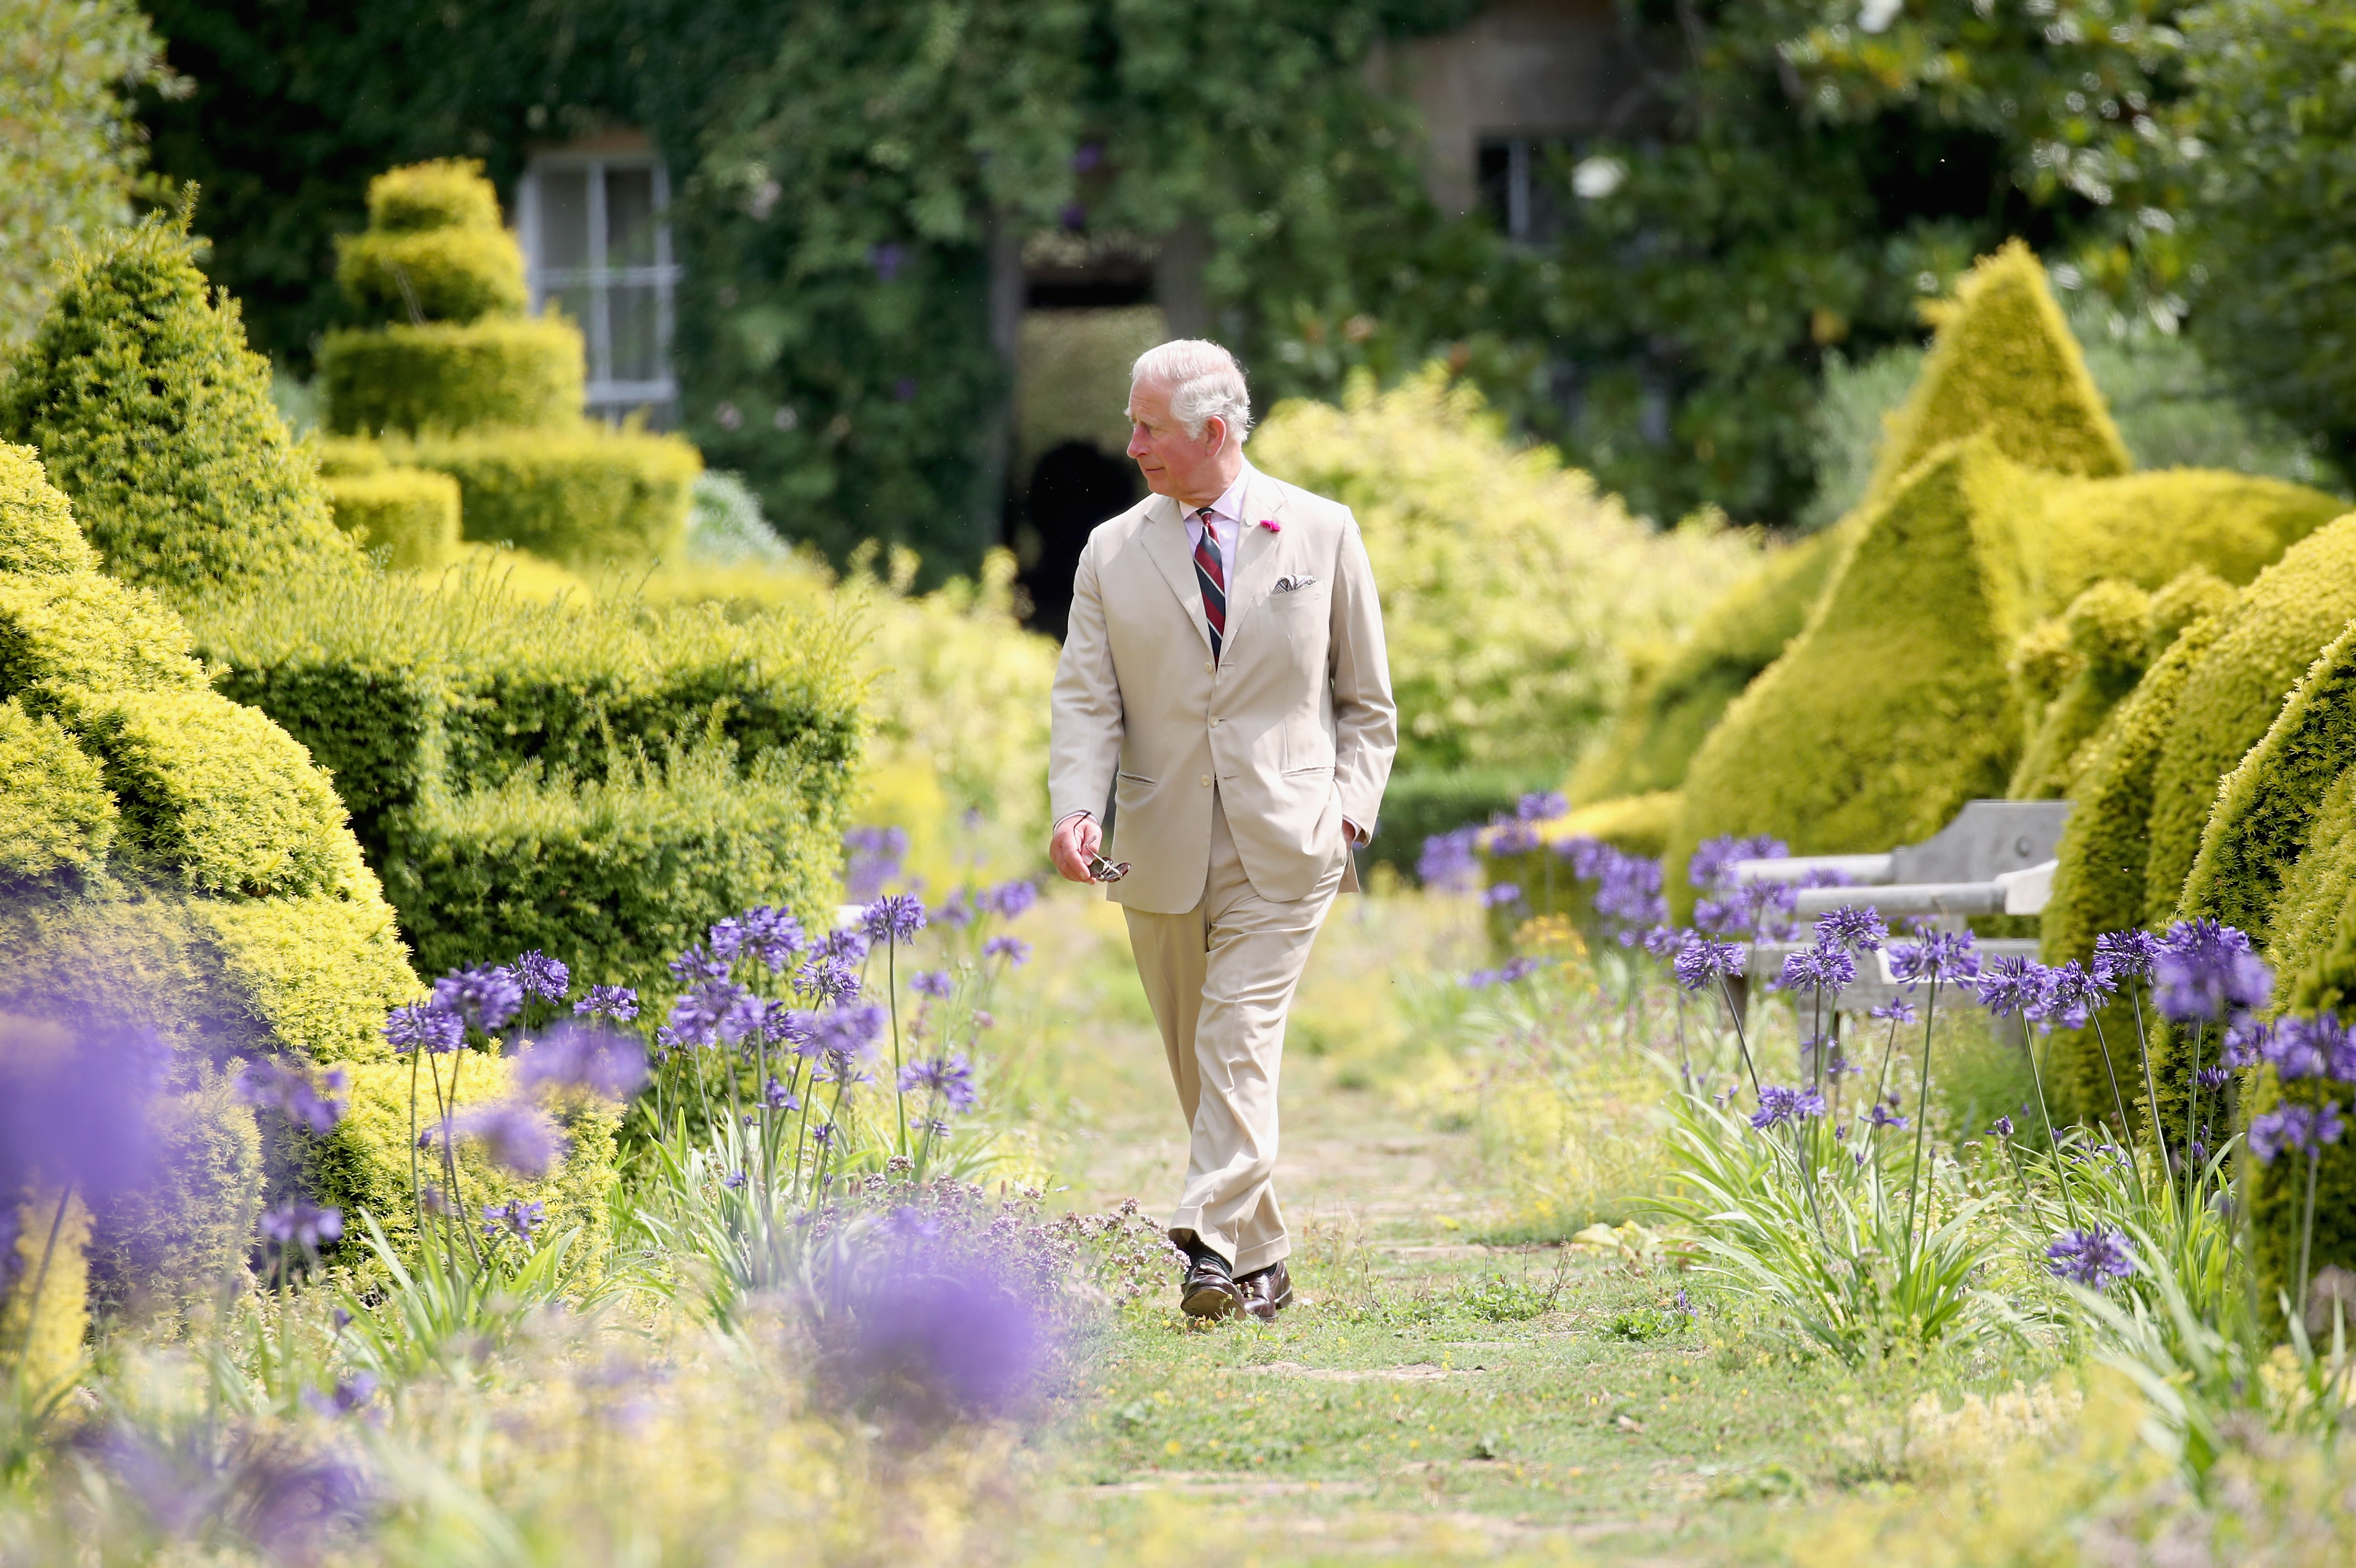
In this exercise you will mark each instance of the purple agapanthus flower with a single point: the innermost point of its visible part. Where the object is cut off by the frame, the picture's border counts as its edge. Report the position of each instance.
(1949, 955)
(2072, 995)
(950, 1077)
(848, 944)
(775, 1096)
(1662, 941)
(2010, 988)
(542, 976)
(714, 1010)
(2092, 1258)
(1703, 959)
(518, 1216)
(940, 1330)
(874, 855)
(270, 1084)
(1628, 892)
(485, 998)
(1821, 967)
(2212, 1080)
(2299, 1046)
(1881, 1116)
(423, 1026)
(2122, 955)
(1451, 862)
(1009, 901)
(772, 937)
(932, 983)
(1509, 837)
(296, 1224)
(1713, 860)
(519, 1137)
(698, 962)
(1013, 949)
(1499, 894)
(618, 1004)
(2001, 1126)
(849, 1033)
(1859, 930)
(2295, 1129)
(1779, 1105)
(577, 1056)
(954, 911)
(895, 917)
(1548, 805)
(2205, 971)
(1897, 1011)
(828, 979)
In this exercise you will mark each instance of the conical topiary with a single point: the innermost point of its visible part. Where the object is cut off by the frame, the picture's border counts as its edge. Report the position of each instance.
(2003, 362)
(434, 249)
(152, 415)
(1894, 707)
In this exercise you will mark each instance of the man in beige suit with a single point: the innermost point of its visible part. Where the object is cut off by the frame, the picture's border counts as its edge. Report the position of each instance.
(1224, 682)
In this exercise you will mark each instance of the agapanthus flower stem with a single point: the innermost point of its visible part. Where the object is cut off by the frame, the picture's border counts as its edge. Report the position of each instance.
(2306, 1228)
(2060, 1172)
(2244, 1223)
(450, 1158)
(892, 990)
(2191, 1106)
(1922, 1120)
(416, 1171)
(2126, 1132)
(1741, 1041)
(2150, 1085)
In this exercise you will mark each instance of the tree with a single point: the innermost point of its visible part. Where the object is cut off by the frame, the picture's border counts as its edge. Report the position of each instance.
(71, 156)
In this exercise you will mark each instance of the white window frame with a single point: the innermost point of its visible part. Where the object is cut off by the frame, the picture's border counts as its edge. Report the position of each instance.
(605, 396)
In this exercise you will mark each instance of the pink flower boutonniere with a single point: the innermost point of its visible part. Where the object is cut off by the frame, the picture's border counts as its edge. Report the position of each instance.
(1270, 525)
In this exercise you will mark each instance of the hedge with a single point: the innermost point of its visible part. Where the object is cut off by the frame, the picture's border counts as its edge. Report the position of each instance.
(1892, 707)
(79, 631)
(2004, 363)
(2278, 1203)
(1417, 806)
(2106, 639)
(55, 813)
(411, 514)
(155, 419)
(2267, 804)
(1668, 712)
(520, 371)
(2315, 888)
(2145, 529)
(581, 496)
(2269, 638)
(622, 873)
(2098, 886)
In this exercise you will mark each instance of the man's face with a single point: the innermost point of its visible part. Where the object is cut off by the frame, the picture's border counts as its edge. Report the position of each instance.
(1173, 463)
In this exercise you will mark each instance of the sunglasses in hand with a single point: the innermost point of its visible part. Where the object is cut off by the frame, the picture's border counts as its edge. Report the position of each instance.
(1104, 871)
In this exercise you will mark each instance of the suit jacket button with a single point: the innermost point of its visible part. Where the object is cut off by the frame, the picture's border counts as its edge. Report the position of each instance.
(1214, 722)
(1206, 667)
(1206, 780)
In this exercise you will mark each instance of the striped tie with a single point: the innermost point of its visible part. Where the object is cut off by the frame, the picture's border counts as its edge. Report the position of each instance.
(1213, 582)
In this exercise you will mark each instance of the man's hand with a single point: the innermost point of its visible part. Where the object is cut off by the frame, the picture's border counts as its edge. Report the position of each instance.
(1077, 839)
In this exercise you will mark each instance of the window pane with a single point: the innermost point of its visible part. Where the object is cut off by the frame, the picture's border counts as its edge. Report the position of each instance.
(638, 355)
(578, 303)
(629, 218)
(564, 218)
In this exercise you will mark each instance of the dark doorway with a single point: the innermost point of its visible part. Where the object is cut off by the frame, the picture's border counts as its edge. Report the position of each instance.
(1072, 488)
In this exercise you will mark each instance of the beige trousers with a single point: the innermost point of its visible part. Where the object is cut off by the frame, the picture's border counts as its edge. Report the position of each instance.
(1221, 978)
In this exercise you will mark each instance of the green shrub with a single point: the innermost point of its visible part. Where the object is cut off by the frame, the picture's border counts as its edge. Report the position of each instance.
(349, 457)
(503, 372)
(216, 795)
(2106, 632)
(363, 1166)
(442, 192)
(2269, 638)
(2004, 361)
(1671, 709)
(37, 533)
(152, 415)
(55, 813)
(1417, 806)
(2189, 595)
(2324, 982)
(622, 873)
(2315, 888)
(1892, 707)
(2099, 885)
(412, 514)
(183, 1237)
(579, 494)
(2259, 826)
(41, 1335)
(83, 632)
(1512, 589)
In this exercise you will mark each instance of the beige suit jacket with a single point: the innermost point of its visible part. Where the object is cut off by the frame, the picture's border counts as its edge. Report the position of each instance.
(1294, 722)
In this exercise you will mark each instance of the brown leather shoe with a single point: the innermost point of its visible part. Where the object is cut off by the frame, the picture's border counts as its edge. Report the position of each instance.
(1210, 1290)
(1267, 1291)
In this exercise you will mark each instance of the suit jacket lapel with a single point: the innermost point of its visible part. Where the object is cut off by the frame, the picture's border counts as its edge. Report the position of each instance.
(1165, 545)
(1255, 551)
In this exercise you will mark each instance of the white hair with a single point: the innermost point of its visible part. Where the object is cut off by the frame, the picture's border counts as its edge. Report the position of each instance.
(1205, 382)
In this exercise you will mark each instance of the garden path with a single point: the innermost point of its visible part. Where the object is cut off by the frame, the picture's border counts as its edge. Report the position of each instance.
(1429, 1397)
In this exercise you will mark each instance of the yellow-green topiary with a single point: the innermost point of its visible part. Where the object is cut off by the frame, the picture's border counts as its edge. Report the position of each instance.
(2189, 595)
(2099, 885)
(410, 514)
(2324, 983)
(523, 372)
(434, 249)
(1670, 709)
(2003, 362)
(46, 1308)
(37, 532)
(2146, 528)
(180, 1247)
(152, 415)
(2273, 633)
(2266, 806)
(59, 817)
(1892, 707)
(2315, 887)
(2105, 640)
(579, 493)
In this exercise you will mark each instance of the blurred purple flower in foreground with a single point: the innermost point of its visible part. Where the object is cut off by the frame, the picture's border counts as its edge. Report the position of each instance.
(74, 1093)
(297, 1223)
(484, 998)
(1451, 862)
(951, 1078)
(521, 1138)
(270, 1084)
(1013, 949)
(2204, 971)
(618, 1004)
(576, 1056)
(933, 1326)
(422, 1026)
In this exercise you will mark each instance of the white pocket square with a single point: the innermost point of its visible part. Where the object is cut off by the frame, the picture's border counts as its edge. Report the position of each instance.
(1292, 584)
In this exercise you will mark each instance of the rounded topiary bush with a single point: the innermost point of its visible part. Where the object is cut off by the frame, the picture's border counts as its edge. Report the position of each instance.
(2103, 650)
(154, 418)
(434, 249)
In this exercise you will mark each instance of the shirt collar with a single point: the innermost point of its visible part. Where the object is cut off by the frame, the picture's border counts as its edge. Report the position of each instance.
(1230, 505)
